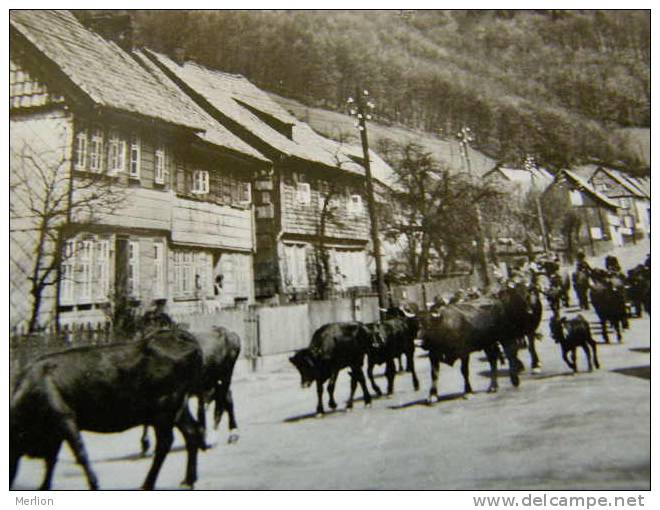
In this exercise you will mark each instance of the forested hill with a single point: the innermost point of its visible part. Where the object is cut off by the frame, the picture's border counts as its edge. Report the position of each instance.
(559, 85)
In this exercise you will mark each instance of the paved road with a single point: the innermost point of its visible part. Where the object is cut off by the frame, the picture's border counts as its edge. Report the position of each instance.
(556, 431)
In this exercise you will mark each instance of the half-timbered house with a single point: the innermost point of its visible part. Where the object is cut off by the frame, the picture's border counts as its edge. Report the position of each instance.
(182, 228)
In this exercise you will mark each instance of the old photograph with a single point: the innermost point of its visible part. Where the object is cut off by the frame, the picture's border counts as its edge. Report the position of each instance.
(330, 250)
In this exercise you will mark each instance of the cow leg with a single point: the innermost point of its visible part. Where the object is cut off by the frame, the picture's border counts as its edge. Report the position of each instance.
(144, 441)
(164, 440)
(493, 354)
(617, 328)
(72, 435)
(410, 361)
(370, 374)
(359, 375)
(587, 353)
(564, 355)
(514, 363)
(14, 459)
(51, 460)
(574, 358)
(331, 390)
(605, 335)
(349, 402)
(201, 418)
(390, 372)
(595, 351)
(319, 396)
(531, 347)
(192, 434)
(435, 370)
(465, 370)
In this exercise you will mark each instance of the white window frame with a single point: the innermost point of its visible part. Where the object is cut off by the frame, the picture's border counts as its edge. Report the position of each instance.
(135, 157)
(159, 269)
(67, 282)
(81, 150)
(200, 182)
(133, 278)
(303, 193)
(96, 151)
(160, 165)
(116, 153)
(85, 260)
(102, 269)
(296, 258)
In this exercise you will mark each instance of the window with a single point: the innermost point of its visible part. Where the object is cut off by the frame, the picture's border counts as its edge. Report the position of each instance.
(245, 193)
(84, 269)
(116, 153)
(183, 273)
(304, 193)
(67, 281)
(355, 205)
(101, 269)
(96, 151)
(200, 182)
(159, 270)
(576, 198)
(596, 233)
(296, 265)
(81, 150)
(161, 168)
(192, 269)
(135, 157)
(133, 279)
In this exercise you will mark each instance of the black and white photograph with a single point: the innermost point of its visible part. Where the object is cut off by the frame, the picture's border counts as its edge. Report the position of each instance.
(364, 250)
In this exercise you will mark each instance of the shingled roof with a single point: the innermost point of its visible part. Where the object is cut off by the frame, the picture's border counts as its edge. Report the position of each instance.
(236, 98)
(584, 186)
(98, 68)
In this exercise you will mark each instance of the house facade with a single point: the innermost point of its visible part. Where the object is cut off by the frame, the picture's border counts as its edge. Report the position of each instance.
(598, 224)
(634, 203)
(155, 199)
(312, 226)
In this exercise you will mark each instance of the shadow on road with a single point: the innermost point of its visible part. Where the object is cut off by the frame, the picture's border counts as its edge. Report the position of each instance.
(138, 456)
(643, 350)
(424, 403)
(307, 416)
(642, 371)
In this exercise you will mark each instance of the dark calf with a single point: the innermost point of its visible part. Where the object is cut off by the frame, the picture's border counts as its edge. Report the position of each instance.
(571, 334)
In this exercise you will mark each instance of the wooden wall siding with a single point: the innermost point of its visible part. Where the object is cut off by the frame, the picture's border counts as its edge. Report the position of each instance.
(26, 91)
(38, 143)
(206, 224)
(305, 219)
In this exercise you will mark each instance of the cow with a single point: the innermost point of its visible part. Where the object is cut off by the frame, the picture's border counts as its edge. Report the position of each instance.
(571, 334)
(109, 388)
(639, 289)
(335, 346)
(581, 287)
(608, 302)
(458, 330)
(220, 350)
(396, 337)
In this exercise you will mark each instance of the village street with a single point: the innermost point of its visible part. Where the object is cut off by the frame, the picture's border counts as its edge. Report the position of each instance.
(556, 431)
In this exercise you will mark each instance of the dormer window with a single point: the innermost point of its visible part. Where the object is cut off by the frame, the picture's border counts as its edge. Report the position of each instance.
(161, 168)
(304, 193)
(136, 152)
(200, 182)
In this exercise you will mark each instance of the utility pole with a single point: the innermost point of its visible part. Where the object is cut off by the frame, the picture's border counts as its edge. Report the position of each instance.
(359, 108)
(530, 166)
(464, 138)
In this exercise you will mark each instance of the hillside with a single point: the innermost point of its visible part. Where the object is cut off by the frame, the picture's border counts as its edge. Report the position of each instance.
(559, 85)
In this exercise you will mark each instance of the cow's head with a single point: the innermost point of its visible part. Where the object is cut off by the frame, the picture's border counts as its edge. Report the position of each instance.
(303, 360)
(557, 328)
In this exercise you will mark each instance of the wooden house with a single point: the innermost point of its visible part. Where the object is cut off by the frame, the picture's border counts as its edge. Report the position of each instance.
(599, 221)
(312, 227)
(634, 202)
(181, 230)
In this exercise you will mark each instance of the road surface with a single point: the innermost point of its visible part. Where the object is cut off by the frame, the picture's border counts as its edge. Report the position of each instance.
(556, 431)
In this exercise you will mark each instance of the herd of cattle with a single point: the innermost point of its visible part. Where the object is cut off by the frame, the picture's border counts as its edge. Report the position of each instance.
(148, 382)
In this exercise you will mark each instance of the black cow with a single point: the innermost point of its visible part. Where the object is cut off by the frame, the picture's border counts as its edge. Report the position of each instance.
(107, 388)
(220, 350)
(335, 346)
(460, 329)
(639, 289)
(396, 337)
(608, 301)
(571, 334)
(581, 287)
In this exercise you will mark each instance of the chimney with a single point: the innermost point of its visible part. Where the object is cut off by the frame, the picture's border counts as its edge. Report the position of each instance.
(112, 25)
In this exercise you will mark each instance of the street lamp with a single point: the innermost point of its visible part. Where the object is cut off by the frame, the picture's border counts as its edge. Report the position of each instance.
(360, 107)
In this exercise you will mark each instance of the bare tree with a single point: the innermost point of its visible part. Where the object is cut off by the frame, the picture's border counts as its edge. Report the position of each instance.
(47, 204)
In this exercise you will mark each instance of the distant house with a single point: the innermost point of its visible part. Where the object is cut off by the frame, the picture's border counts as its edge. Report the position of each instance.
(600, 227)
(634, 202)
(312, 203)
(85, 106)
(520, 181)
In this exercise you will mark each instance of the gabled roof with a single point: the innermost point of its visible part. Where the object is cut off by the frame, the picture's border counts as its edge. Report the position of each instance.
(98, 68)
(643, 183)
(234, 97)
(538, 178)
(622, 180)
(585, 187)
(214, 132)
